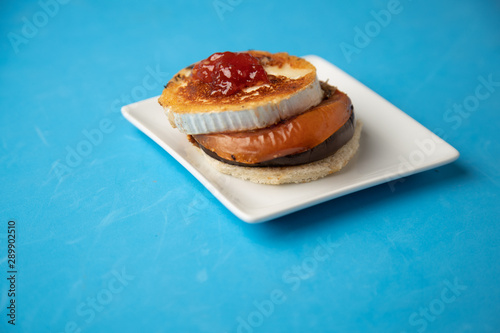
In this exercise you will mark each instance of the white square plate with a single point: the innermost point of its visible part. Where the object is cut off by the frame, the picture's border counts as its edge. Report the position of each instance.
(392, 145)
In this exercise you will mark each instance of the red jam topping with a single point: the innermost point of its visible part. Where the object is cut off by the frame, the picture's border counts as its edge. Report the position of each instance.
(229, 72)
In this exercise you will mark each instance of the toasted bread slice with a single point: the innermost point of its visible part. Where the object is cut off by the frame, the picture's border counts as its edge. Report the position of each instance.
(293, 88)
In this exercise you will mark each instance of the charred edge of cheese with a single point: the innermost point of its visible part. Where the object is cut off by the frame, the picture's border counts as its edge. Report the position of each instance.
(294, 88)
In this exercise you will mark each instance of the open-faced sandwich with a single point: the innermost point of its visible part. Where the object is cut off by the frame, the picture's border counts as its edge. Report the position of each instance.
(263, 117)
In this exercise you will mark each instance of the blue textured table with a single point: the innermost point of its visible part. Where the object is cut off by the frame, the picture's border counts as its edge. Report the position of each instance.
(113, 235)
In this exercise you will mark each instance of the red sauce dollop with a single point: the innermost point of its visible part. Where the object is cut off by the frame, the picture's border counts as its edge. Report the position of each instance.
(229, 72)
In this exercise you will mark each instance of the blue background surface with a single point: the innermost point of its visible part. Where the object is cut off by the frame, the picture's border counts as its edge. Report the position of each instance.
(123, 239)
